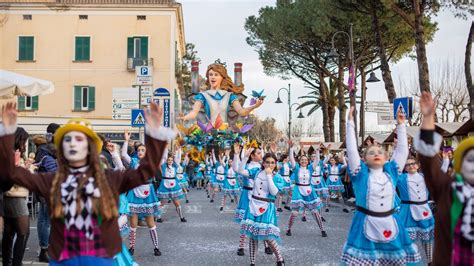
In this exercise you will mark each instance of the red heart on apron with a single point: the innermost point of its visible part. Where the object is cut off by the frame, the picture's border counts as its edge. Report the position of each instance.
(172, 184)
(146, 192)
(309, 191)
(387, 233)
(425, 213)
(317, 182)
(335, 179)
(261, 210)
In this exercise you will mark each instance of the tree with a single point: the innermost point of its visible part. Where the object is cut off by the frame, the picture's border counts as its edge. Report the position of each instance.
(183, 69)
(467, 70)
(264, 131)
(294, 38)
(448, 84)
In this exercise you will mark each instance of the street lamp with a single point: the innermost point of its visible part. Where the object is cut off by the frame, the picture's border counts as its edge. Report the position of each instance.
(278, 100)
(372, 78)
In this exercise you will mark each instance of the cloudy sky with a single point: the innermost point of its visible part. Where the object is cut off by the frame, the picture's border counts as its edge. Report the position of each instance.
(216, 27)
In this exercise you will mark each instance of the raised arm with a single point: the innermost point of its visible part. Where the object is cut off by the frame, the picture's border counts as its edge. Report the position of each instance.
(400, 154)
(242, 169)
(245, 111)
(125, 155)
(177, 155)
(445, 164)
(351, 144)
(236, 160)
(291, 155)
(315, 162)
(155, 142)
(116, 159)
(427, 143)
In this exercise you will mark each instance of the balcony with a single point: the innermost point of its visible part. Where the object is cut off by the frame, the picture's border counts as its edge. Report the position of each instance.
(134, 62)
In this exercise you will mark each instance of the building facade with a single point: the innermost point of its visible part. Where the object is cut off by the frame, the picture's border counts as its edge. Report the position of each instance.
(89, 49)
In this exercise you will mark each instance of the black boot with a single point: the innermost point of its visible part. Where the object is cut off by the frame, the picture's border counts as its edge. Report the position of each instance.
(43, 256)
(322, 219)
(281, 263)
(288, 232)
(240, 252)
(268, 251)
(221, 208)
(131, 251)
(183, 220)
(157, 252)
(323, 233)
(303, 219)
(279, 209)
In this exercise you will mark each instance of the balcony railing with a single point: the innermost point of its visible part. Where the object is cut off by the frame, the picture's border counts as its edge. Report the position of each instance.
(134, 62)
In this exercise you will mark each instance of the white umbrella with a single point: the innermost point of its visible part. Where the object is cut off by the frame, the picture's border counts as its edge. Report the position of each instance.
(14, 84)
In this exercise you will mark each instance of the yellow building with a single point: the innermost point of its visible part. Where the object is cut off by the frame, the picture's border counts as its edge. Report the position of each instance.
(89, 50)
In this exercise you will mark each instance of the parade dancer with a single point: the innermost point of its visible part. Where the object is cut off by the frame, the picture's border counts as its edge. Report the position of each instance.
(415, 213)
(231, 187)
(83, 196)
(260, 221)
(251, 161)
(453, 195)
(317, 179)
(284, 170)
(334, 180)
(199, 176)
(169, 188)
(377, 235)
(219, 175)
(209, 178)
(180, 174)
(143, 201)
(303, 196)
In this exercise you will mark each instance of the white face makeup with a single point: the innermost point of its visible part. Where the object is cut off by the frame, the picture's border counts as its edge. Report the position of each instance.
(75, 148)
(467, 167)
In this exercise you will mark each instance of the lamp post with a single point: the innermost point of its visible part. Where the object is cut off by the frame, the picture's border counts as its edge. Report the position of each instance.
(372, 78)
(278, 100)
(352, 69)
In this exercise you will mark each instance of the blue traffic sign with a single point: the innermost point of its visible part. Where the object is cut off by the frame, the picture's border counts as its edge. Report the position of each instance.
(144, 71)
(137, 118)
(404, 105)
(161, 92)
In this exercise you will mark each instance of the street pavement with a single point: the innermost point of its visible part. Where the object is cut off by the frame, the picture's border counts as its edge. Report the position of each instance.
(211, 237)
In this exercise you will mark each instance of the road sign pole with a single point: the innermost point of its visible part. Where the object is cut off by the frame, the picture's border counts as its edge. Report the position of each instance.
(141, 133)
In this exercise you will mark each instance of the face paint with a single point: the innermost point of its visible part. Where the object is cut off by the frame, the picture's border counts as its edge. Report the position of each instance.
(375, 157)
(75, 148)
(467, 167)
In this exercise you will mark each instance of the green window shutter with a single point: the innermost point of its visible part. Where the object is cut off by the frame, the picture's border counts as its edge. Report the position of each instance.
(77, 98)
(91, 98)
(21, 103)
(144, 47)
(83, 48)
(26, 48)
(34, 103)
(130, 47)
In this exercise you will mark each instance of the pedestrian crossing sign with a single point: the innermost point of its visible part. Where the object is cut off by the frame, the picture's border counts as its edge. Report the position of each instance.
(403, 105)
(137, 118)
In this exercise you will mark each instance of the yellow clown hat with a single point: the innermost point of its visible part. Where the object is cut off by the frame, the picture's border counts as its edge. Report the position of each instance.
(460, 151)
(81, 125)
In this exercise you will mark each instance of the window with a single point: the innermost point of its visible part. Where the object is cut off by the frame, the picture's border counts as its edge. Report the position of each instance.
(84, 98)
(27, 103)
(26, 48)
(141, 17)
(82, 49)
(83, 17)
(27, 17)
(137, 47)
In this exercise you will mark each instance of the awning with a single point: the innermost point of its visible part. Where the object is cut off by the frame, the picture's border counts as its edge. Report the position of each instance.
(14, 84)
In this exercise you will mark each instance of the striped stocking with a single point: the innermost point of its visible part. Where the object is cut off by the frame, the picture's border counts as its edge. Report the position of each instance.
(275, 248)
(293, 216)
(223, 201)
(154, 237)
(428, 251)
(253, 247)
(242, 241)
(132, 237)
(318, 219)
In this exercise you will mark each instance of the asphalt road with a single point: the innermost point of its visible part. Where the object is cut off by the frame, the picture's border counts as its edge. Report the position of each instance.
(210, 237)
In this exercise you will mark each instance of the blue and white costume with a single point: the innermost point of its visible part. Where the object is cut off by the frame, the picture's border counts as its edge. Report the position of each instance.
(180, 173)
(142, 200)
(216, 102)
(198, 175)
(415, 212)
(377, 235)
(284, 171)
(231, 184)
(334, 180)
(247, 185)
(124, 258)
(169, 186)
(260, 221)
(220, 172)
(317, 177)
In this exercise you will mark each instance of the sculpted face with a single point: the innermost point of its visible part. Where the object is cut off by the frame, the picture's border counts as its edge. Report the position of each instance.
(75, 148)
(467, 166)
(215, 79)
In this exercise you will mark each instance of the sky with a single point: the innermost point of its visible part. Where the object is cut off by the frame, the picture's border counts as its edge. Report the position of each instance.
(216, 27)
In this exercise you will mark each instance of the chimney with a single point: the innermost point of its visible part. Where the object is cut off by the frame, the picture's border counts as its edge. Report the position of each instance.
(194, 77)
(238, 74)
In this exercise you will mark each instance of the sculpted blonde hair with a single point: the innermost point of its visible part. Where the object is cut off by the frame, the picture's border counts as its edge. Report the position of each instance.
(227, 83)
